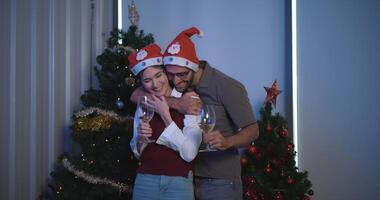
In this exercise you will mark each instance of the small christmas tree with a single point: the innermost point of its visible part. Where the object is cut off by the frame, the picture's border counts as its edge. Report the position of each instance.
(106, 166)
(116, 81)
(269, 171)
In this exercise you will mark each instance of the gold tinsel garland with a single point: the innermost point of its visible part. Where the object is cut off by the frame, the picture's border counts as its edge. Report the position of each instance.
(90, 110)
(93, 179)
(102, 121)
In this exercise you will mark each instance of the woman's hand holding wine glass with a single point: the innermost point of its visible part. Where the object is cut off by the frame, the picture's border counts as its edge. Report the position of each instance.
(144, 132)
(147, 113)
(162, 108)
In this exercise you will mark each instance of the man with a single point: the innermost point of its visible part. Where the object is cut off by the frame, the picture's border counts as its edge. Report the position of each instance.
(217, 173)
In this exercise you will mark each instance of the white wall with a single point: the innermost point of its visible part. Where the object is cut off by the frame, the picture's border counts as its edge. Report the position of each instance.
(339, 67)
(245, 38)
(45, 64)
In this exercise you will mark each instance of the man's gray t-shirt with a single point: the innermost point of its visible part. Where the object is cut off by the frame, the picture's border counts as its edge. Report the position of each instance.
(233, 111)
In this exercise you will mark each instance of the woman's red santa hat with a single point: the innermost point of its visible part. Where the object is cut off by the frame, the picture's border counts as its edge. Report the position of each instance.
(181, 50)
(145, 57)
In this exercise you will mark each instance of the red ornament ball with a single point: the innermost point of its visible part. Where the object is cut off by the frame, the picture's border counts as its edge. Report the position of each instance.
(267, 169)
(284, 132)
(290, 180)
(243, 161)
(310, 192)
(278, 196)
(290, 148)
(252, 149)
(306, 197)
(248, 193)
(252, 180)
(269, 128)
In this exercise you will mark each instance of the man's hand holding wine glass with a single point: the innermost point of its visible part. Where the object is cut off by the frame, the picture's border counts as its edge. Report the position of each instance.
(206, 122)
(216, 140)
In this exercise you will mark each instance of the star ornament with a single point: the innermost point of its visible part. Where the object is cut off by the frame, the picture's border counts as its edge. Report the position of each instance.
(272, 93)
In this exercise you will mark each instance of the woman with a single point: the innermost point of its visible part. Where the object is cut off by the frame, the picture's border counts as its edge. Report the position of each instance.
(165, 170)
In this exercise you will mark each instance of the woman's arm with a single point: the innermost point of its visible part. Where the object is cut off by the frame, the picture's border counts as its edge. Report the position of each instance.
(186, 141)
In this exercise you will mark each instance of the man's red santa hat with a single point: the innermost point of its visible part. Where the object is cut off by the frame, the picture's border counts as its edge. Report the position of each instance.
(181, 50)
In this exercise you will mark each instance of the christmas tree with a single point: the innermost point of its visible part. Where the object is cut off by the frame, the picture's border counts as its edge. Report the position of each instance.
(105, 167)
(269, 168)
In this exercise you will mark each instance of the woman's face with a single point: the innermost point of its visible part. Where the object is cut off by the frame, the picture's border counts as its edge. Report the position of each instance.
(155, 81)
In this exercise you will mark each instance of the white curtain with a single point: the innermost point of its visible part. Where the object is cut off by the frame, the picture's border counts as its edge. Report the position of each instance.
(47, 55)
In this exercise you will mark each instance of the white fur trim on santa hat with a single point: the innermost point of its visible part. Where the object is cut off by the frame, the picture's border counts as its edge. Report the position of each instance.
(183, 62)
(146, 63)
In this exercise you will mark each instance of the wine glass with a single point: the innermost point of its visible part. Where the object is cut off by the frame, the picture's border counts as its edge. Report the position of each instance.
(206, 122)
(147, 110)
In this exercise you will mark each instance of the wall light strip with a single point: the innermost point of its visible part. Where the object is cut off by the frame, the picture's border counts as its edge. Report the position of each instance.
(13, 101)
(120, 16)
(294, 78)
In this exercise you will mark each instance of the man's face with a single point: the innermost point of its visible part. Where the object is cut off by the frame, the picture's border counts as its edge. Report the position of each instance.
(180, 77)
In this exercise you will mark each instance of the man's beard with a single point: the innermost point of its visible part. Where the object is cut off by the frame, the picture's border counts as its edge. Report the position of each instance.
(187, 88)
(189, 85)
